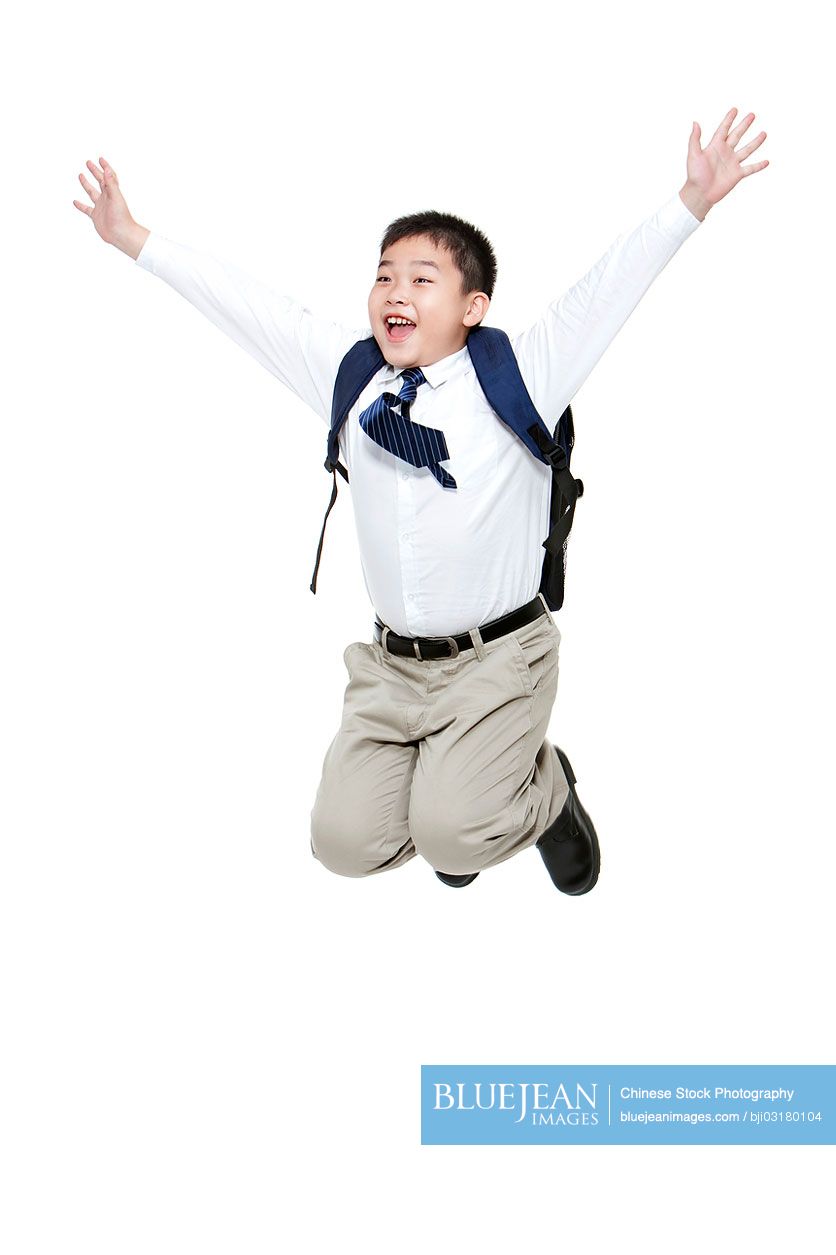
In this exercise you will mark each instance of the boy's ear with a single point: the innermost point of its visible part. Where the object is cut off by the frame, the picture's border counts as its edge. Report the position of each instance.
(476, 310)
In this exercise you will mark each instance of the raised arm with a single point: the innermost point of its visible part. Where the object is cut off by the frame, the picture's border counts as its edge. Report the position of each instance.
(558, 353)
(298, 348)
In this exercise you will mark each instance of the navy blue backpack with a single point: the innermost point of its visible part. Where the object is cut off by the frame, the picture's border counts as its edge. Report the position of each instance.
(499, 377)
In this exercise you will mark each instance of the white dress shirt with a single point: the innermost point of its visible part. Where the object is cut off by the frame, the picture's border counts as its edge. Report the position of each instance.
(438, 561)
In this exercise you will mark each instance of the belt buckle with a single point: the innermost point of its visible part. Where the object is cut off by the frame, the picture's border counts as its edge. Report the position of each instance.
(454, 649)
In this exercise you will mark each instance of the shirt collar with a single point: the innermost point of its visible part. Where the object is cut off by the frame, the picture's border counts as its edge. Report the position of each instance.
(436, 374)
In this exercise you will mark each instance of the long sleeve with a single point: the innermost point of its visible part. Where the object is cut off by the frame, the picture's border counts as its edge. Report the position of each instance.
(559, 351)
(302, 350)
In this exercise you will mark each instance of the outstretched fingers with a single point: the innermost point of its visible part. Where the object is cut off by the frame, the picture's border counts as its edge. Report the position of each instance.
(740, 130)
(98, 174)
(723, 129)
(725, 135)
(89, 189)
(750, 148)
(760, 165)
(103, 174)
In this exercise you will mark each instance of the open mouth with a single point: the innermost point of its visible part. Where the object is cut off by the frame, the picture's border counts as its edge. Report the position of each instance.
(397, 328)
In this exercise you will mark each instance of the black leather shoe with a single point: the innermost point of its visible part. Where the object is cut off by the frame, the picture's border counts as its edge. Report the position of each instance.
(457, 882)
(569, 846)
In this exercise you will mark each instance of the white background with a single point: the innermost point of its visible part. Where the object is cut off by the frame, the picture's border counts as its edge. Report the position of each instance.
(211, 1043)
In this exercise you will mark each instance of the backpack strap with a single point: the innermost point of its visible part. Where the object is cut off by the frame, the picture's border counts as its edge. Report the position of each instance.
(568, 488)
(360, 364)
(499, 375)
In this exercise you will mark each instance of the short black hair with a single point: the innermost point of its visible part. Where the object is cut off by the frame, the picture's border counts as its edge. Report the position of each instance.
(469, 247)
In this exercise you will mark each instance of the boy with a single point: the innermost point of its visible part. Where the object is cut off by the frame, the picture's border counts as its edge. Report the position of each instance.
(441, 749)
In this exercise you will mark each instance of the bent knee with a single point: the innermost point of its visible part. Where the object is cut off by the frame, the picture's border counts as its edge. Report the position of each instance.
(348, 844)
(336, 843)
(449, 843)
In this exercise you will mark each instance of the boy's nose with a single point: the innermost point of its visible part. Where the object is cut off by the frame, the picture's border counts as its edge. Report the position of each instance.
(394, 295)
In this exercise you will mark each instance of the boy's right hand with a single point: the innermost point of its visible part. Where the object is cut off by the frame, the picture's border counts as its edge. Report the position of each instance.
(110, 214)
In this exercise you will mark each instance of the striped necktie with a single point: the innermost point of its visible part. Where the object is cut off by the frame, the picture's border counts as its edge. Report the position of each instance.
(420, 446)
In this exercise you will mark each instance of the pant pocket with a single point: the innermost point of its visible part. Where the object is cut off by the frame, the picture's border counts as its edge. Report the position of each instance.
(536, 658)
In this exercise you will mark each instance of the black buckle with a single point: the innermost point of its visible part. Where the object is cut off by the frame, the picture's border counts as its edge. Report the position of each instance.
(556, 458)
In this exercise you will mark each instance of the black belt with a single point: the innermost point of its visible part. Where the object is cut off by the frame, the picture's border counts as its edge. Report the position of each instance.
(425, 648)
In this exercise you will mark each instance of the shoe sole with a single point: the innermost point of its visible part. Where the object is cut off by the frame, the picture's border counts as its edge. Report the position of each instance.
(596, 849)
(454, 884)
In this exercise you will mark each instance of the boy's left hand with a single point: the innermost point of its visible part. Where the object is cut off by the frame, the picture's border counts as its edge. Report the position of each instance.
(714, 170)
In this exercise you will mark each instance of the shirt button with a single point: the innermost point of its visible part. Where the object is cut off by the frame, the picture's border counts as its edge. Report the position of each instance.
(404, 475)
(410, 597)
(405, 536)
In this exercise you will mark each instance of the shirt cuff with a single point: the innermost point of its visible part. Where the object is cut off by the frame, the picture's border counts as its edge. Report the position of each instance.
(152, 251)
(676, 220)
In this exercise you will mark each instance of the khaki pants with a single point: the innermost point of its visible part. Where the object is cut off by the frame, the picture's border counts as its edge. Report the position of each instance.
(446, 758)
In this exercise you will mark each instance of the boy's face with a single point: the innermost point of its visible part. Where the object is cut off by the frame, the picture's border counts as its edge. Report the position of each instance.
(420, 282)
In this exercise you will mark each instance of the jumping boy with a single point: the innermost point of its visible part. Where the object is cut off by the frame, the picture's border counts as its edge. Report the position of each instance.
(442, 749)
